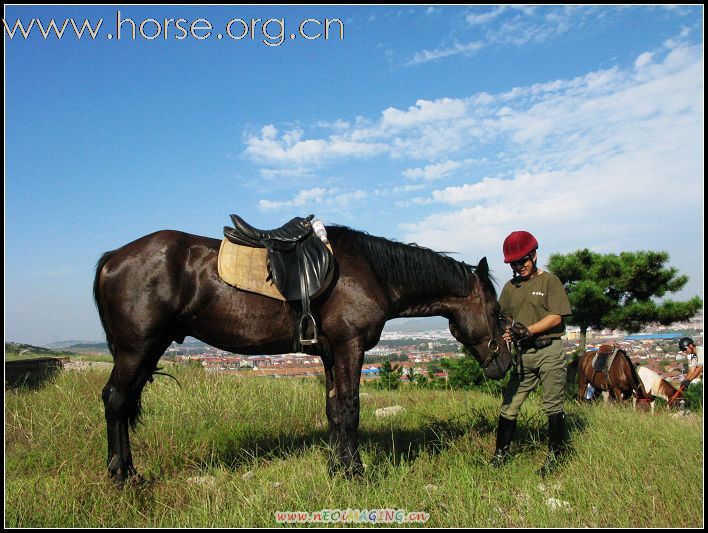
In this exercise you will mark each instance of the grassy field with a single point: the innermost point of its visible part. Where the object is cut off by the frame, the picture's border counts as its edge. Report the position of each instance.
(224, 451)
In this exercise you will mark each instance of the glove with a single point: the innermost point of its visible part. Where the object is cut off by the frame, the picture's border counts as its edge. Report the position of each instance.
(521, 335)
(519, 332)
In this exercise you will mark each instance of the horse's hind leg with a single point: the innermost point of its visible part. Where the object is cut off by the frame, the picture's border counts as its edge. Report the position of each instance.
(121, 400)
(119, 406)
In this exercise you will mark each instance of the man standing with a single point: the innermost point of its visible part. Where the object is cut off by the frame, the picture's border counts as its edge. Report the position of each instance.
(694, 356)
(687, 346)
(536, 302)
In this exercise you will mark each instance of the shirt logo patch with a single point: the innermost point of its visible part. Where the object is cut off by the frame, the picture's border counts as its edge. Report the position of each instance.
(538, 293)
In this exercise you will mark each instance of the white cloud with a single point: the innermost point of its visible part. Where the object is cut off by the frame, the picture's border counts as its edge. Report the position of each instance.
(519, 26)
(317, 197)
(302, 198)
(278, 174)
(610, 158)
(436, 171)
(484, 18)
(642, 60)
(457, 49)
(424, 112)
(291, 148)
(561, 115)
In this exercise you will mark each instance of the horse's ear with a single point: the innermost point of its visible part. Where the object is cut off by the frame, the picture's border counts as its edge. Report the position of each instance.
(483, 267)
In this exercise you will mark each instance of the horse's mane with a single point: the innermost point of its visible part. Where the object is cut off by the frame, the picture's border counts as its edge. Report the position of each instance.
(411, 265)
(638, 383)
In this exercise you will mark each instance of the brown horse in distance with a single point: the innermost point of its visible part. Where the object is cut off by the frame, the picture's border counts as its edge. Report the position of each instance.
(621, 380)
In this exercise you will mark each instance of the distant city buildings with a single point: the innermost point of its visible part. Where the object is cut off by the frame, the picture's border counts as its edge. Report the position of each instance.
(656, 347)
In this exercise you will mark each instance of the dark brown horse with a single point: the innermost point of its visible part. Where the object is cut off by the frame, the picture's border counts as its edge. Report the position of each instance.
(165, 286)
(621, 380)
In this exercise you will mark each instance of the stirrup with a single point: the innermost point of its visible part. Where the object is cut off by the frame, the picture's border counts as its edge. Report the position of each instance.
(303, 340)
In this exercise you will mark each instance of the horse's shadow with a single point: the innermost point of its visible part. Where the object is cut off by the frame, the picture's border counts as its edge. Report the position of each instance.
(393, 446)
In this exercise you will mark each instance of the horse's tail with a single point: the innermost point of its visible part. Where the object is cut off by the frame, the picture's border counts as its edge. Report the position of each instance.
(97, 299)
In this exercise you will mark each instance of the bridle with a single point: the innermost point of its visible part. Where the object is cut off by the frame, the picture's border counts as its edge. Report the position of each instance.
(492, 345)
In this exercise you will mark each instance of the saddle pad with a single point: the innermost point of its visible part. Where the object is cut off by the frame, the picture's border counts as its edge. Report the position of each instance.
(246, 268)
(610, 359)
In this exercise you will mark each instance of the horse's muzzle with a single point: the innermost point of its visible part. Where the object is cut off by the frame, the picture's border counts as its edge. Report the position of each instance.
(498, 365)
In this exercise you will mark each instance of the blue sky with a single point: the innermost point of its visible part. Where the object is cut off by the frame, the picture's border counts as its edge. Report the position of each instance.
(445, 126)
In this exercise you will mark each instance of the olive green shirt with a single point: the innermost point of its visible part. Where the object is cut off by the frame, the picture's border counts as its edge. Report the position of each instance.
(529, 301)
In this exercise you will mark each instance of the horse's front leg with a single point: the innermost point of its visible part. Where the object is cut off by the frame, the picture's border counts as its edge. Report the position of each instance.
(332, 413)
(582, 386)
(618, 393)
(343, 406)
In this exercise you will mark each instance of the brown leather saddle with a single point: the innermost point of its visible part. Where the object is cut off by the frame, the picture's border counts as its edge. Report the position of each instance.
(299, 262)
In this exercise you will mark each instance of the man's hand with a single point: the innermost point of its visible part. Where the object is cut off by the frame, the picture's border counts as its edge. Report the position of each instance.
(519, 333)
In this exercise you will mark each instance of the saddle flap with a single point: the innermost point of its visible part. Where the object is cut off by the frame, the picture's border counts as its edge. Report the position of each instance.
(603, 360)
(285, 268)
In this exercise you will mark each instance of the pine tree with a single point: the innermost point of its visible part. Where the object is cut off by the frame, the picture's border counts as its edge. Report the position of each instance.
(390, 376)
(621, 291)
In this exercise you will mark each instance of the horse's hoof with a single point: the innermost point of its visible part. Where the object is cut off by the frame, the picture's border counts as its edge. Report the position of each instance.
(118, 481)
(347, 471)
(356, 472)
(136, 481)
(131, 479)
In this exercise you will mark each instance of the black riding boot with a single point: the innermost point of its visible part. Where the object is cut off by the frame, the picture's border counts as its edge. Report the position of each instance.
(505, 434)
(557, 444)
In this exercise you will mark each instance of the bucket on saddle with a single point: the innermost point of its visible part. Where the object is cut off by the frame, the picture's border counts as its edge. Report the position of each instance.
(299, 263)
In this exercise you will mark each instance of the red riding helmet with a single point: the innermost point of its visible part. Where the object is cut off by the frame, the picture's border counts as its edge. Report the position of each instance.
(518, 244)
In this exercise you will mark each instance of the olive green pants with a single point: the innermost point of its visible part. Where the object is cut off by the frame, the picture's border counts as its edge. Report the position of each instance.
(547, 366)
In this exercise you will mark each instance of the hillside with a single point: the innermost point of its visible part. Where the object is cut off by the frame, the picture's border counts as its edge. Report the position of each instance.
(14, 350)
